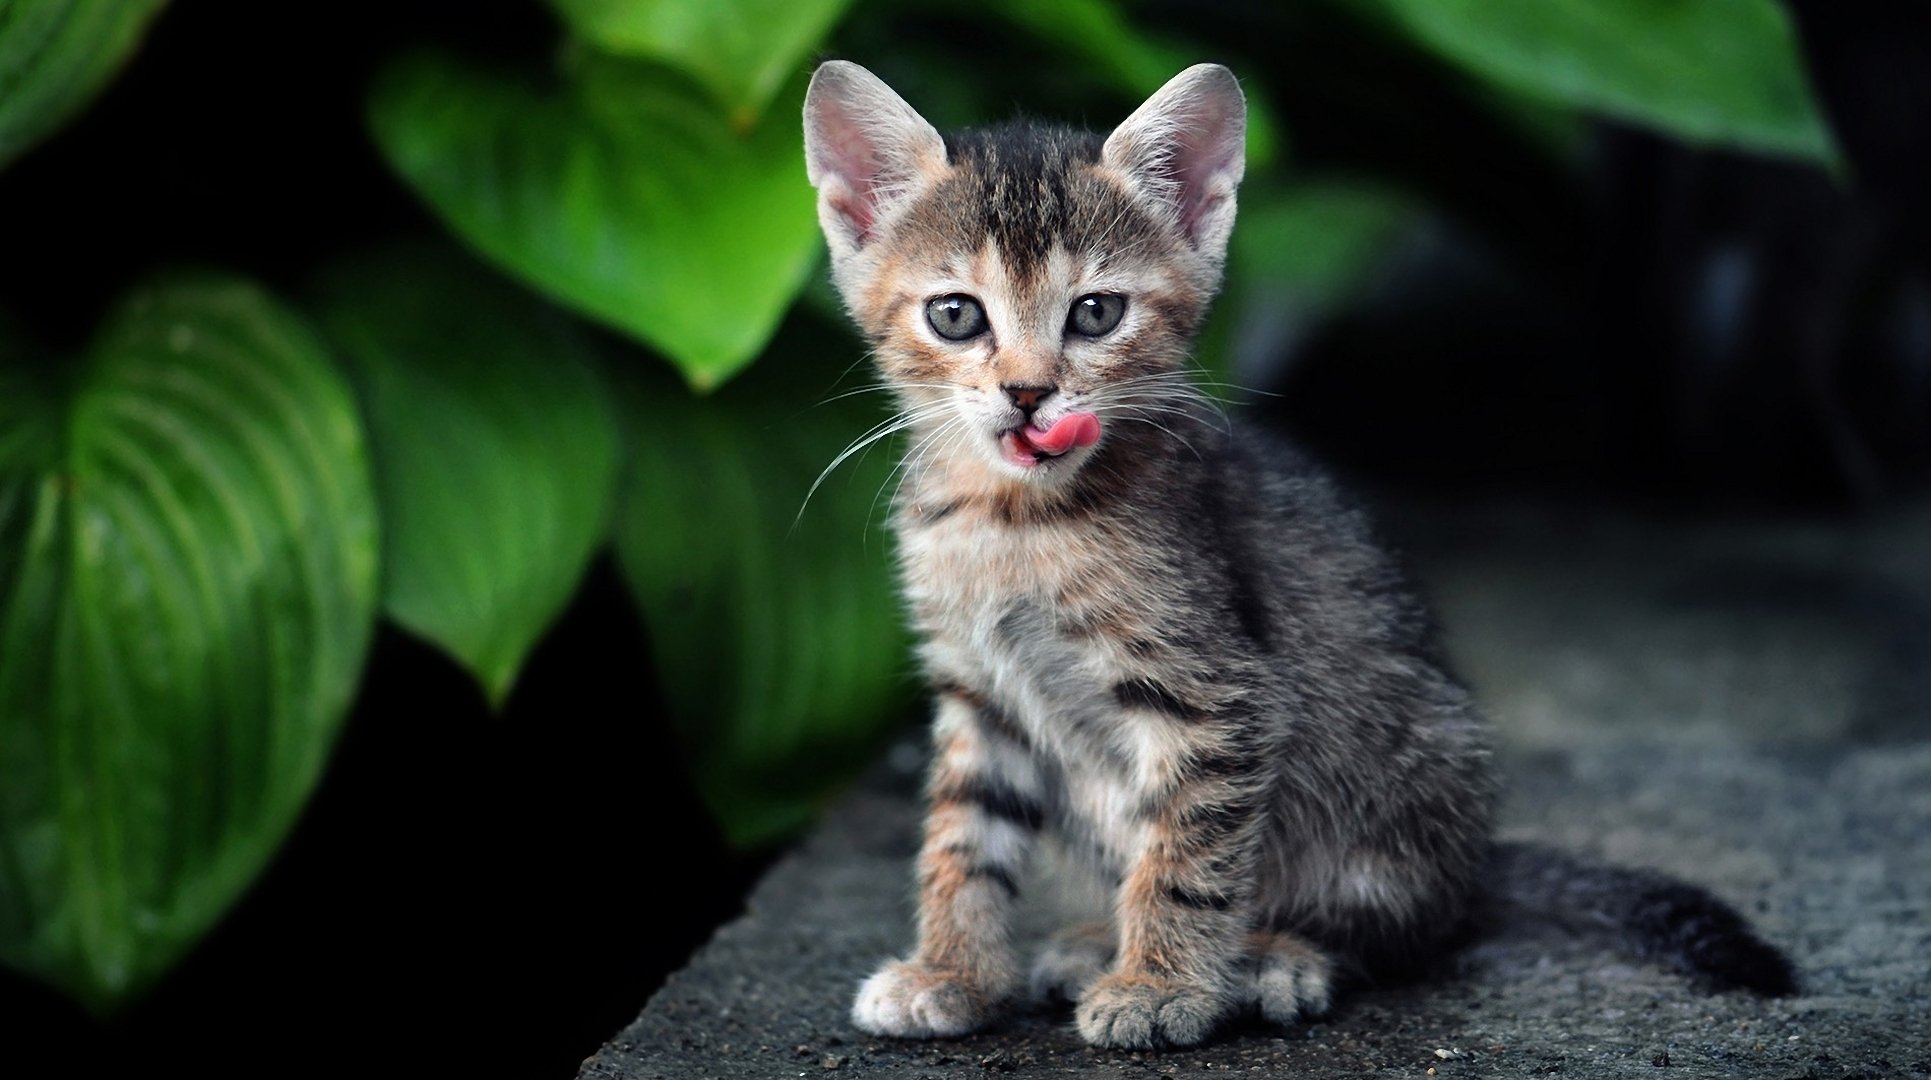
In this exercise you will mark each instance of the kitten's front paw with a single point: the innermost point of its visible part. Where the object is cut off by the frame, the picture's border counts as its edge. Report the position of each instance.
(1135, 1012)
(913, 1001)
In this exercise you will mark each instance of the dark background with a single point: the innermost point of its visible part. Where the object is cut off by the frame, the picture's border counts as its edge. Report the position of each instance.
(496, 894)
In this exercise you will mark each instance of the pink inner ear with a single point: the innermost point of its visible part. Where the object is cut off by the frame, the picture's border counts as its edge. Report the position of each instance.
(847, 156)
(856, 209)
(1208, 146)
(863, 146)
(1185, 147)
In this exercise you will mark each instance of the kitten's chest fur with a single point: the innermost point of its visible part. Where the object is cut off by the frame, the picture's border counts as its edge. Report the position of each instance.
(1045, 617)
(1015, 611)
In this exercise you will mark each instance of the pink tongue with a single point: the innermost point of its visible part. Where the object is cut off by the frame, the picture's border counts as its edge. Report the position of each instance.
(1073, 429)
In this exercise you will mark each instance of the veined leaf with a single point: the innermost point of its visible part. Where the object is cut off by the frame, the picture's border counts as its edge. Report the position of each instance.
(495, 451)
(743, 51)
(626, 194)
(55, 55)
(777, 635)
(187, 586)
(1708, 71)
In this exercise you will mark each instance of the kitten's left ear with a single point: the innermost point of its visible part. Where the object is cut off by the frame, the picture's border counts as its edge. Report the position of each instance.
(1187, 149)
(864, 149)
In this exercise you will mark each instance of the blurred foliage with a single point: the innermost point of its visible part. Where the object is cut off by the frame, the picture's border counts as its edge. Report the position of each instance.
(1106, 43)
(55, 55)
(1300, 253)
(187, 586)
(188, 524)
(1718, 71)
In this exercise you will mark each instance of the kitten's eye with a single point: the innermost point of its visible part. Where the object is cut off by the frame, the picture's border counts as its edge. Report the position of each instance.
(1096, 314)
(956, 317)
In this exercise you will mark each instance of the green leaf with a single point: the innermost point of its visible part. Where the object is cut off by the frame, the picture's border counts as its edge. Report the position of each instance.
(55, 55)
(743, 51)
(495, 451)
(1711, 71)
(625, 194)
(1108, 43)
(777, 634)
(188, 559)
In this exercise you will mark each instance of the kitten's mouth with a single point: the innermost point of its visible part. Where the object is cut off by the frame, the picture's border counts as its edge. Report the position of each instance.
(1027, 446)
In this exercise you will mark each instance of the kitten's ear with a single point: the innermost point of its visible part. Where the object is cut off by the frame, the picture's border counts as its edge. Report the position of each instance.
(864, 147)
(1187, 149)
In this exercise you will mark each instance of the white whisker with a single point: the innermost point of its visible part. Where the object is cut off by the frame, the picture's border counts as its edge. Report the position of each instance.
(896, 423)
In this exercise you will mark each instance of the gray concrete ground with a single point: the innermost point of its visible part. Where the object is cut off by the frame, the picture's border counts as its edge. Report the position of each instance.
(1746, 705)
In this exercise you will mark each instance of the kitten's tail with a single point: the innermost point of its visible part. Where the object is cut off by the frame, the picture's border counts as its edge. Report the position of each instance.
(1648, 913)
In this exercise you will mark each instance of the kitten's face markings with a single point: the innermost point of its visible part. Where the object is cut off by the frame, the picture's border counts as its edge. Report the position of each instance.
(1026, 358)
(1026, 290)
(1082, 325)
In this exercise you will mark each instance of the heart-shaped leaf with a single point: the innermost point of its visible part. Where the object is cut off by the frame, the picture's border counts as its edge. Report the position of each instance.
(625, 194)
(1712, 71)
(741, 50)
(777, 635)
(55, 55)
(495, 448)
(188, 559)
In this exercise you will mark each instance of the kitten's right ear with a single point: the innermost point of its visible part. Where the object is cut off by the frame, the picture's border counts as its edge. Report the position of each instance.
(864, 148)
(1187, 149)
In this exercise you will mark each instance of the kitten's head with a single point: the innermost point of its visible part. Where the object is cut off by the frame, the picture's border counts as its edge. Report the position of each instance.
(1027, 287)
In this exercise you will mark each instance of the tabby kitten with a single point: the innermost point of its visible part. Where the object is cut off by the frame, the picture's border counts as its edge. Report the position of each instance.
(1170, 642)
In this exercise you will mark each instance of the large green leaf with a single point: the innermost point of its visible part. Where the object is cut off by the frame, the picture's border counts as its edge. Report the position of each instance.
(777, 634)
(1710, 71)
(496, 451)
(55, 55)
(188, 559)
(625, 194)
(741, 50)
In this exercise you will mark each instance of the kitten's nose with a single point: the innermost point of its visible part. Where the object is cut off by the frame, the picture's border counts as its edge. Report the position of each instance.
(1027, 396)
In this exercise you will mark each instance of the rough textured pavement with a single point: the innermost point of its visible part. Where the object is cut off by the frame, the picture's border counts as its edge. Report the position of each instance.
(1746, 705)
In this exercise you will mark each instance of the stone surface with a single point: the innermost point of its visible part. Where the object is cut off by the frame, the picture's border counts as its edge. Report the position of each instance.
(1746, 705)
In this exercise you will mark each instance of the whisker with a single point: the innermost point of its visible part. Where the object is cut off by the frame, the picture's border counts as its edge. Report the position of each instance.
(874, 388)
(914, 458)
(884, 429)
(1140, 415)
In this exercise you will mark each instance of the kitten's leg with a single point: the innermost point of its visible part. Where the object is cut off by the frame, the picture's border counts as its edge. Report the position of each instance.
(985, 808)
(1292, 977)
(1182, 910)
(1073, 960)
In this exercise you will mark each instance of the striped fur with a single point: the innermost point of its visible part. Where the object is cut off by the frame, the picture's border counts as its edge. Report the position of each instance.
(1179, 651)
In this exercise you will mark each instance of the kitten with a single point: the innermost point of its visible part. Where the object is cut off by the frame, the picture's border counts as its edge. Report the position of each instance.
(1170, 642)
